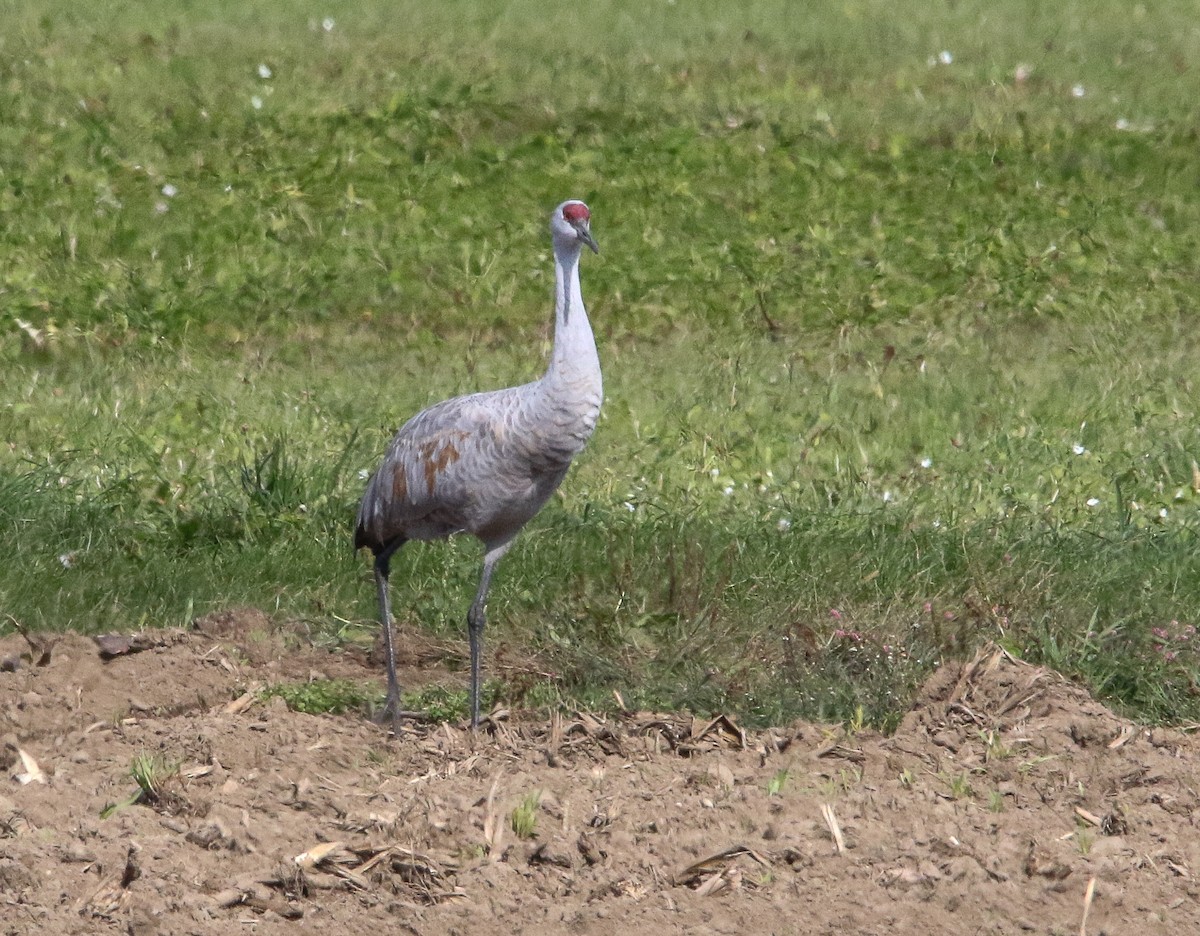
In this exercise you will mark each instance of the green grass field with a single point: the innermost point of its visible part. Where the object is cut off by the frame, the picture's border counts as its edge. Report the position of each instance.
(896, 308)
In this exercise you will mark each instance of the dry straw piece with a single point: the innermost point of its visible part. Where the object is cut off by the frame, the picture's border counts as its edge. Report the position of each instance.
(835, 828)
(1088, 896)
(30, 771)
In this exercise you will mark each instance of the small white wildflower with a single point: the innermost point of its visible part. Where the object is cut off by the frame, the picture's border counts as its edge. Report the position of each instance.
(327, 24)
(783, 525)
(228, 189)
(67, 559)
(1093, 502)
(303, 508)
(363, 473)
(264, 70)
(728, 490)
(927, 462)
(630, 506)
(937, 524)
(1022, 72)
(945, 57)
(714, 473)
(169, 190)
(887, 497)
(1078, 91)
(1179, 495)
(256, 102)
(1163, 513)
(1122, 124)
(1078, 449)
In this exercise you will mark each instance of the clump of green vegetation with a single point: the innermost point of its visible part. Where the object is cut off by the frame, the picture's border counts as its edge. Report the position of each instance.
(441, 703)
(338, 696)
(326, 696)
(524, 816)
(152, 772)
(157, 779)
(959, 786)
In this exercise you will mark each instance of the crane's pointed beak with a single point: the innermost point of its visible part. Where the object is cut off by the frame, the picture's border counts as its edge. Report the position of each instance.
(585, 235)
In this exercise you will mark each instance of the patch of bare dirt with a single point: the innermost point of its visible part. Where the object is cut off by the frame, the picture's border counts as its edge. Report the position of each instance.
(1008, 802)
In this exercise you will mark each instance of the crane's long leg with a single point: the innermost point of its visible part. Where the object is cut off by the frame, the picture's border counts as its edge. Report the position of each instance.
(476, 618)
(391, 709)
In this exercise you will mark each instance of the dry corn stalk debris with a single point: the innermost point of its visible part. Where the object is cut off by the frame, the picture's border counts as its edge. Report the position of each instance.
(835, 827)
(704, 874)
(360, 868)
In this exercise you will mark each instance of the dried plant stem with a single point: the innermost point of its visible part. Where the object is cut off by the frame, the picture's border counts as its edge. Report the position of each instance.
(835, 828)
(1088, 896)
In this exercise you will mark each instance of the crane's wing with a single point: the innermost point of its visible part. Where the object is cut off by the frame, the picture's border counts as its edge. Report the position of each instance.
(473, 463)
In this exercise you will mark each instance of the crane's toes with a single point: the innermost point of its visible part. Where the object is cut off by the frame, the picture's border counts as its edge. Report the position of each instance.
(489, 722)
(391, 714)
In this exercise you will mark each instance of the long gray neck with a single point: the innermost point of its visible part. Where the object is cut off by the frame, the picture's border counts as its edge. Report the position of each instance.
(574, 356)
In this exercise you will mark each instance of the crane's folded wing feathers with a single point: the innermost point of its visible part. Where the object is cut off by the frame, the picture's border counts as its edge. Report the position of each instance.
(480, 463)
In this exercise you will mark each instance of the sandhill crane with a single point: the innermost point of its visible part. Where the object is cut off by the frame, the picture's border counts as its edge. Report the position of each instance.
(486, 463)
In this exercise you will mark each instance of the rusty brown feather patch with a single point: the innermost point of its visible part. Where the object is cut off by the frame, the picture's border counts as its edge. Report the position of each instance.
(399, 483)
(437, 456)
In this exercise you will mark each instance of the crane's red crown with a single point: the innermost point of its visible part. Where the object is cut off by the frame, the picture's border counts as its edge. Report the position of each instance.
(576, 212)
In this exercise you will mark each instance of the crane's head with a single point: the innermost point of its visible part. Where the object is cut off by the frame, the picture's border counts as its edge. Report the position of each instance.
(571, 225)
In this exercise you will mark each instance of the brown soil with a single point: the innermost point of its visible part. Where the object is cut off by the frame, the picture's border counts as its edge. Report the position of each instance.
(1009, 801)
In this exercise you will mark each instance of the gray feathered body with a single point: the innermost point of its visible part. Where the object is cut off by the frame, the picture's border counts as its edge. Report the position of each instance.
(482, 464)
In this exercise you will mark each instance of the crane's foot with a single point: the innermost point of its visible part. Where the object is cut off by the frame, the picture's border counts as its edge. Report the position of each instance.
(391, 714)
(487, 722)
